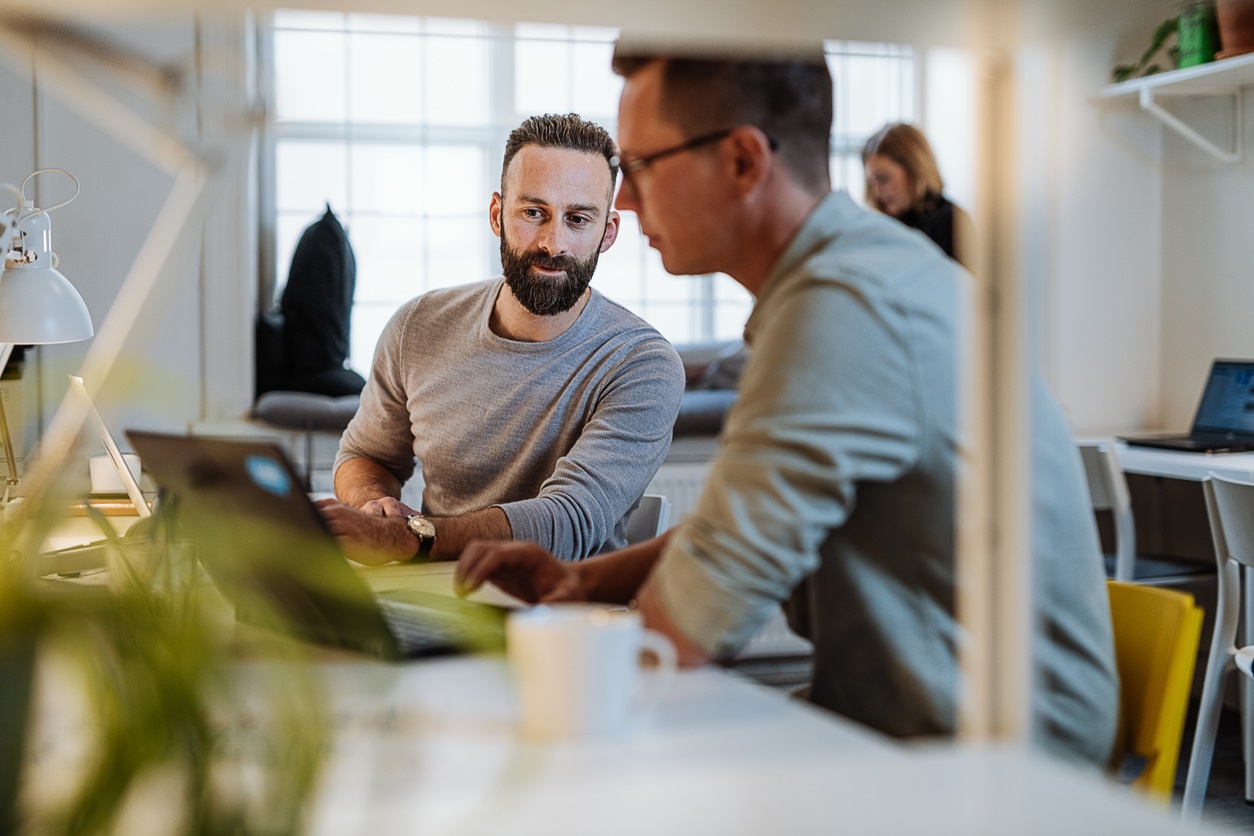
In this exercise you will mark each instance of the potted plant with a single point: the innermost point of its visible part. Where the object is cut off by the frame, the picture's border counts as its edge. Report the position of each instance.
(1162, 46)
(1236, 27)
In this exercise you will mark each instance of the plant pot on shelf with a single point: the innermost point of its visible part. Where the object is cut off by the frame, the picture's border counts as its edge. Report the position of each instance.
(1236, 27)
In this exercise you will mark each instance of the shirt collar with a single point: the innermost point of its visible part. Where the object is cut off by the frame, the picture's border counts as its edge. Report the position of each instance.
(833, 212)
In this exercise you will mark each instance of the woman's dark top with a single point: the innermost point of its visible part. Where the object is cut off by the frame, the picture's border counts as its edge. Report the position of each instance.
(934, 217)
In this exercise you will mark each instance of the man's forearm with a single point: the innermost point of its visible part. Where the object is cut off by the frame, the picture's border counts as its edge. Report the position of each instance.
(358, 481)
(453, 533)
(617, 577)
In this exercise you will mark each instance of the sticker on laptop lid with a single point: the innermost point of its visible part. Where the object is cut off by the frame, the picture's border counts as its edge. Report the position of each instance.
(268, 474)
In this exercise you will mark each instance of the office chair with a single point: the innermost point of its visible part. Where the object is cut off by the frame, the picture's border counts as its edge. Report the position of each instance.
(1230, 505)
(1156, 637)
(1108, 490)
(651, 517)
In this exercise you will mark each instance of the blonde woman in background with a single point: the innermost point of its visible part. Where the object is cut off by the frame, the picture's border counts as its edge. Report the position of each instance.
(903, 181)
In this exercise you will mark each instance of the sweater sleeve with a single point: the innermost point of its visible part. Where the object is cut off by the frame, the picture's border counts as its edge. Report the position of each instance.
(381, 429)
(581, 508)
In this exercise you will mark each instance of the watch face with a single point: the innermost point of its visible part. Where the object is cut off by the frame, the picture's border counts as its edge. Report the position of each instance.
(422, 527)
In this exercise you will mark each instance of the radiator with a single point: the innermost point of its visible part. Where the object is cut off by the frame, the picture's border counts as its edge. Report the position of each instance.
(681, 483)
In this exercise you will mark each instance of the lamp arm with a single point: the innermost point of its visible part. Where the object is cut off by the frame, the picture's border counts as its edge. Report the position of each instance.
(6, 350)
(6, 224)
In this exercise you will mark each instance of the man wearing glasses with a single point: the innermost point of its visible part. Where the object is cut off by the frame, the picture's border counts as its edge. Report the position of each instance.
(834, 487)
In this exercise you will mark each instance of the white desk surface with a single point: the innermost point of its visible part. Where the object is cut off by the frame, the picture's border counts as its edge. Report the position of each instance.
(1178, 464)
(1151, 461)
(432, 748)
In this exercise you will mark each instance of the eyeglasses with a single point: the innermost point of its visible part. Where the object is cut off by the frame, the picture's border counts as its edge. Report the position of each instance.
(639, 164)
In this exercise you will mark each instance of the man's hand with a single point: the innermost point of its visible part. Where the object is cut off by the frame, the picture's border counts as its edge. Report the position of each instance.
(387, 507)
(518, 568)
(369, 538)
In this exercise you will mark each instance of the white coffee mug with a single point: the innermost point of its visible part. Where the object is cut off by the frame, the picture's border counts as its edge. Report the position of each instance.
(577, 668)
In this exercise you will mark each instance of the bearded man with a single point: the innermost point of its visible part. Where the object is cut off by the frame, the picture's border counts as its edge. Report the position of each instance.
(538, 409)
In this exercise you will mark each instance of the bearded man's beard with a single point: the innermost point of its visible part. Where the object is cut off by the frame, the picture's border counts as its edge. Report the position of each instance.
(546, 295)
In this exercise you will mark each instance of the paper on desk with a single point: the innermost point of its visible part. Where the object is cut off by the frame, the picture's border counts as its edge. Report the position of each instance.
(436, 578)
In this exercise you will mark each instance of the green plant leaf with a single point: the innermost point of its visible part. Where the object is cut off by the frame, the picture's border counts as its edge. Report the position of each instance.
(1143, 67)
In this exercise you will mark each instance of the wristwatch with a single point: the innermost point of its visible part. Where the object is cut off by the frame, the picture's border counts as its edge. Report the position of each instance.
(423, 529)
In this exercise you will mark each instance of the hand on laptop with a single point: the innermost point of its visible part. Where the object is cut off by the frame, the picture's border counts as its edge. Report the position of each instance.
(372, 538)
(518, 568)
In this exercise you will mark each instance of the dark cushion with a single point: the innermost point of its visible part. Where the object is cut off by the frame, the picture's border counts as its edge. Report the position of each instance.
(318, 299)
(304, 345)
(271, 353)
(701, 411)
(332, 382)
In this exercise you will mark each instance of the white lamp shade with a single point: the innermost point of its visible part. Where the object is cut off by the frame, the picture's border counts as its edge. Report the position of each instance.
(39, 305)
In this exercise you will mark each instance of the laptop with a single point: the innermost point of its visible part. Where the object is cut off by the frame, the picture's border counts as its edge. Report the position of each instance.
(265, 546)
(1224, 422)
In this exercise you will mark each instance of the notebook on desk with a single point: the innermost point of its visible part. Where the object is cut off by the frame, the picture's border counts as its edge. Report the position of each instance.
(265, 546)
(1224, 422)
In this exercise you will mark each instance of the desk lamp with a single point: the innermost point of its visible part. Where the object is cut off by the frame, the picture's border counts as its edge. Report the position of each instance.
(38, 305)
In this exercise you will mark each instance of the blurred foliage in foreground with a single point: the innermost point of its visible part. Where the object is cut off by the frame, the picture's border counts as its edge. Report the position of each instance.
(124, 708)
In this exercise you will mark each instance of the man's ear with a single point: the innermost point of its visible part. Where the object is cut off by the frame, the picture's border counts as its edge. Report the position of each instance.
(611, 231)
(750, 156)
(494, 213)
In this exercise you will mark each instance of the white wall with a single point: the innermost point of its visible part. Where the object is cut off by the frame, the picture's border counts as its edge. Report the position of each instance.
(191, 355)
(1151, 247)
(1106, 212)
(1207, 240)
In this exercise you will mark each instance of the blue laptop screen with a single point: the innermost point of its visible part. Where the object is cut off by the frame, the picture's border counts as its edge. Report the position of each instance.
(1228, 402)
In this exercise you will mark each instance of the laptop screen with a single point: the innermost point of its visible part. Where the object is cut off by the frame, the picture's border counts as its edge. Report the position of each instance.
(1228, 402)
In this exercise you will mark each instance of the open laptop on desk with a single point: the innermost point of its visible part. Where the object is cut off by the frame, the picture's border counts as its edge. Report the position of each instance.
(1224, 422)
(266, 547)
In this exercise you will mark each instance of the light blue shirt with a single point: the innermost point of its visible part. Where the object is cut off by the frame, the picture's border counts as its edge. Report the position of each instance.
(834, 485)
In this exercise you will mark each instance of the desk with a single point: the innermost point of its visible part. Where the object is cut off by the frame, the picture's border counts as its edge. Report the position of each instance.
(1194, 467)
(717, 755)
(432, 748)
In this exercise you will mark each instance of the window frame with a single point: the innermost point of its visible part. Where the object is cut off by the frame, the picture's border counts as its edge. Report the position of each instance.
(703, 302)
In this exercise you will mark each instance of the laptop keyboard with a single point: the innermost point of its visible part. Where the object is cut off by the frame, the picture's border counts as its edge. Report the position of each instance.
(418, 631)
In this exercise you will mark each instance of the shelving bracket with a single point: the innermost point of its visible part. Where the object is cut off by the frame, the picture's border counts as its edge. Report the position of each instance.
(1172, 121)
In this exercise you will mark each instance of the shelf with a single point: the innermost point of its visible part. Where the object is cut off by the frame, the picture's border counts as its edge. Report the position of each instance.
(1218, 78)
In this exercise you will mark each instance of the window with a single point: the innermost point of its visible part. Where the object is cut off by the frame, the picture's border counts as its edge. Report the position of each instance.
(398, 123)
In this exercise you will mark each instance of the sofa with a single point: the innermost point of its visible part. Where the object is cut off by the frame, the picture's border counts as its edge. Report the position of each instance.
(711, 371)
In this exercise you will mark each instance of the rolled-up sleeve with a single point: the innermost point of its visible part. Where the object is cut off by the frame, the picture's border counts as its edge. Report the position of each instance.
(828, 400)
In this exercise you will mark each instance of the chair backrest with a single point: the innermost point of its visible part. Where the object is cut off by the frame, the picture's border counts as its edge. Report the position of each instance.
(1108, 491)
(1230, 505)
(1156, 638)
(651, 518)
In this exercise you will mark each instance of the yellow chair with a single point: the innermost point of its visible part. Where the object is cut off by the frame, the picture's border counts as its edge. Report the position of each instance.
(1156, 636)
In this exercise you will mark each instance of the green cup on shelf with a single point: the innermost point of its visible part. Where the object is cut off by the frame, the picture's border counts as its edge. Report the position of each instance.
(1197, 33)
